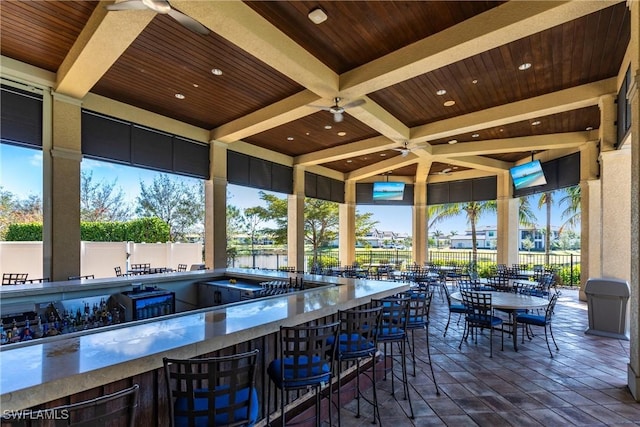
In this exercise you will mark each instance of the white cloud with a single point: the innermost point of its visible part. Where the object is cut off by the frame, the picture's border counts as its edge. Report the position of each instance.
(36, 159)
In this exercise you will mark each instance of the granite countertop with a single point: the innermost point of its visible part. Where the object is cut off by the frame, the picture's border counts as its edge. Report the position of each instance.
(48, 369)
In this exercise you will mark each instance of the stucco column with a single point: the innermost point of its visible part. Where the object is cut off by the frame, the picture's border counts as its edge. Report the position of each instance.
(616, 212)
(63, 217)
(590, 232)
(420, 221)
(508, 224)
(347, 229)
(215, 199)
(634, 234)
(295, 221)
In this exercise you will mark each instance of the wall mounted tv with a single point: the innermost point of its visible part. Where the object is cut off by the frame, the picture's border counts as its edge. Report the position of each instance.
(388, 190)
(528, 175)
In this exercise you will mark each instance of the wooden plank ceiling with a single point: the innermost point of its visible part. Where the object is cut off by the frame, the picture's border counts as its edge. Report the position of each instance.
(394, 56)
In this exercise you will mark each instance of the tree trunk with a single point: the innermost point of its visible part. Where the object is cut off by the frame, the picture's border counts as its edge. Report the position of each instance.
(547, 238)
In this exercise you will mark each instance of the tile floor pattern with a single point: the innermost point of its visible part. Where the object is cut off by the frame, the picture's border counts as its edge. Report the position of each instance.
(584, 384)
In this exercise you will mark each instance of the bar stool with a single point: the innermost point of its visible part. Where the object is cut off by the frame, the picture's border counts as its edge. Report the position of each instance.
(117, 408)
(305, 361)
(358, 343)
(419, 307)
(393, 330)
(216, 391)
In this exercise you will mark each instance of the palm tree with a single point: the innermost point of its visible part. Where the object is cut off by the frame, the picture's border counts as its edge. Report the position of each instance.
(546, 198)
(526, 215)
(572, 212)
(437, 234)
(473, 210)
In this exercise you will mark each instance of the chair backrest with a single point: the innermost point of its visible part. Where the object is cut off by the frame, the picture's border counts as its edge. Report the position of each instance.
(478, 304)
(182, 267)
(447, 293)
(358, 334)
(118, 271)
(88, 276)
(41, 280)
(212, 391)
(117, 408)
(524, 288)
(550, 308)
(13, 278)
(307, 352)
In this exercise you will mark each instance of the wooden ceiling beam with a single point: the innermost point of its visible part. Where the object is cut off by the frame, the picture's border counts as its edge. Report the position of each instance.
(346, 151)
(478, 162)
(381, 167)
(496, 27)
(512, 145)
(103, 39)
(564, 100)
(242, 26)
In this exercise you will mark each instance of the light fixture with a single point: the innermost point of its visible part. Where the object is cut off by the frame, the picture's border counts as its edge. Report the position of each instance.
(289, 138)
(383, 154)
(349, 161)
(441, 92)
(342, 133)
(179, 96)
(317, 16)
(589, 128)
(474, 81)
(475, 135)
(327, 127)
(216, 71)
(453, 141)
(449, 103)
(536, 123)
(196, 85)
(524, 66)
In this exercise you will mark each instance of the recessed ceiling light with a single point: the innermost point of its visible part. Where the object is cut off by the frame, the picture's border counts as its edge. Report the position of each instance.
(441, 92)
(328, 127)
(536, 123)
(349, 161)
(179, 96)
(475, 135)
(342, 133)
(453, 141)
(383, 154)
(317, 16)
(589, 128)
(501, 130)
(474, 81)
(289, 138)
(449, 103)
(365, 158)
(454, 167)
(196, 85)
(524, 66)
(216, 71)
(308, 133)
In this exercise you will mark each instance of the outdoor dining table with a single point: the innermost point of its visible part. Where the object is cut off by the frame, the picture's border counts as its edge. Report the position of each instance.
(511, 302)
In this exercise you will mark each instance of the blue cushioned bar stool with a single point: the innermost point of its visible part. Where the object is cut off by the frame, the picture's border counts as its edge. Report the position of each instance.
(213, 391)
(305, 362)
(393, 330)
(419, 307)
(358, 344)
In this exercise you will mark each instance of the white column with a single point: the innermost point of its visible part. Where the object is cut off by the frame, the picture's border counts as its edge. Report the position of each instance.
(347, 228)
(215, 197)
(295, 223)
(420, 221)
(64, 198)
(508, 224)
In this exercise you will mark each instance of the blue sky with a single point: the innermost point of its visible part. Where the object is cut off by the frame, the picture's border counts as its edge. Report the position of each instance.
(21, 174)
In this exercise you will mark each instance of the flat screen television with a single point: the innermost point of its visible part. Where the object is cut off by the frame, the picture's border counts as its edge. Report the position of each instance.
(528, 175)
(388, 191)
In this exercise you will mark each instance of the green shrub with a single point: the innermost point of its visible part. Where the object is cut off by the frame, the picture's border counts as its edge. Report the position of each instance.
(149, 229)
(26, 232)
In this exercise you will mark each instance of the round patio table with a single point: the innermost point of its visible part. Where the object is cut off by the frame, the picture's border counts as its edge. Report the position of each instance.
(510, 302)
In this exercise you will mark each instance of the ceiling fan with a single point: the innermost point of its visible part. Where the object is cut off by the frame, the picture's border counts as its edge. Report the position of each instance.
(163, 7)
(337, 110)
(405, 150)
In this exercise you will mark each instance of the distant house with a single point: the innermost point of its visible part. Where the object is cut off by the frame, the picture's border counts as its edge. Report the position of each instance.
(385, 239)
(487, 238)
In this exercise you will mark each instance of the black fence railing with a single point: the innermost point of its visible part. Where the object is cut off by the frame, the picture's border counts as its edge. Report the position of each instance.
(566, 266)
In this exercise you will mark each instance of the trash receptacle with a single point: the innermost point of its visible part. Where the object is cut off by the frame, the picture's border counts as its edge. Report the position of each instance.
(607, 302)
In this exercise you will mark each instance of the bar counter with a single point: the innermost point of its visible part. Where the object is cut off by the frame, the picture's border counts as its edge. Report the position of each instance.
(44, 370)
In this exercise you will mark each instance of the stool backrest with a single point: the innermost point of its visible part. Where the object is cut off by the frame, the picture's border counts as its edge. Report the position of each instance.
(216, 391)
(117, 408)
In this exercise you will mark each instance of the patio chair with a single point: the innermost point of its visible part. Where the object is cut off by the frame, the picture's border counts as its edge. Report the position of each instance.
(479, 316)
(544, 321)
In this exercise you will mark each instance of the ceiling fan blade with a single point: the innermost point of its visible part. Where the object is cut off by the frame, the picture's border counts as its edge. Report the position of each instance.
(320, 107)
(338, 117)
(188, 22)
(128, 5)
(355, 103)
